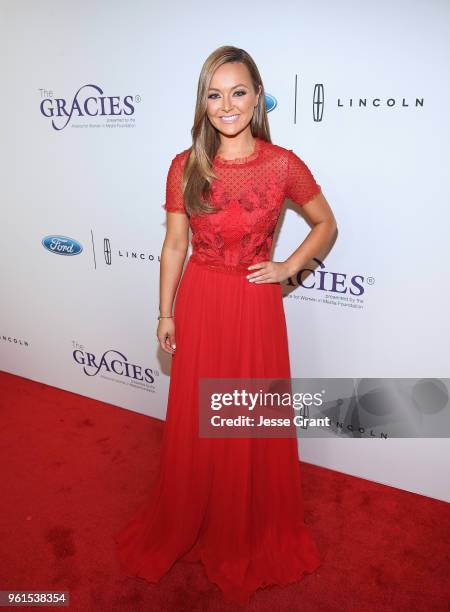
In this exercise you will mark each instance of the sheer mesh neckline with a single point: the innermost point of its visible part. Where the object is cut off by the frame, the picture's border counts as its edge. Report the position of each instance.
(254, 155)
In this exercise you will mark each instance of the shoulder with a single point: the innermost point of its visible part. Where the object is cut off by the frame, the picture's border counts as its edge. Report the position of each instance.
(176, 165)
(283, 159)
(293, 163)
(282, 152)
(277, 152)
(275, 148)
(181, 156)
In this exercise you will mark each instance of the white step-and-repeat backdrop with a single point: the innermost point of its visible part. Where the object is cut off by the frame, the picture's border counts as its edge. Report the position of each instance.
(98, 97)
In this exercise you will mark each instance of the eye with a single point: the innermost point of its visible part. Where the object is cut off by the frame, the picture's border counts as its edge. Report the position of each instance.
(239, 91)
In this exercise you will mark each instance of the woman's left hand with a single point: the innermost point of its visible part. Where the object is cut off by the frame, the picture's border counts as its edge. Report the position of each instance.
(269, 272)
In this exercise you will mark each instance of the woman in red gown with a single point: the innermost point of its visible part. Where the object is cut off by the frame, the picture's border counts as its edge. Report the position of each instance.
(233, 503)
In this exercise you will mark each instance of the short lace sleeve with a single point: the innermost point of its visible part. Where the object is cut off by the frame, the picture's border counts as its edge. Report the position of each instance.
(301, 185)
(174, 194)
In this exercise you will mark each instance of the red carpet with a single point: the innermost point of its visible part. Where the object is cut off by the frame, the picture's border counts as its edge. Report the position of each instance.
(73, 469)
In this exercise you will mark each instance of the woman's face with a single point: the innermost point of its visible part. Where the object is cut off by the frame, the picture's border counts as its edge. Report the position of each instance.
(231, 95)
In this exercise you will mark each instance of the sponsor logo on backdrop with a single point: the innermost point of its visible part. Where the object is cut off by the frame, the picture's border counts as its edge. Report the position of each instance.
(89, 107)
(125, 253)
(14, 340)
(361, 103)
(107, 251)
(114, 365)
(271, 102)
(329, 286)
(62, 245)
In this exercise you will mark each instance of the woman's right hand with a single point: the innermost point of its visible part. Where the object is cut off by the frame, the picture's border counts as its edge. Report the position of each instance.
(166, 335)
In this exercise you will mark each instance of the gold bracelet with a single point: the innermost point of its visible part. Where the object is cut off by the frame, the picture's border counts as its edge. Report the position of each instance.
(165, 317)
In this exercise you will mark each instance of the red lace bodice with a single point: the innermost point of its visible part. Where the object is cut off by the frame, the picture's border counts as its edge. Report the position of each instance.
(248, 195)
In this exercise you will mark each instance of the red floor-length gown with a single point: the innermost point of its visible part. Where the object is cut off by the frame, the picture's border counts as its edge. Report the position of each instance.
(234, 503)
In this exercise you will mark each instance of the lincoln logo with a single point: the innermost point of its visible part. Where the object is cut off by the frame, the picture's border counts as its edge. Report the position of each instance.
(83, 104)
(358, 103)
(318, 102)
(107, 250)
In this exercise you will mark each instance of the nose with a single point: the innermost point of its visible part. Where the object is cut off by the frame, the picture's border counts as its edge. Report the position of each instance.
(227, 106)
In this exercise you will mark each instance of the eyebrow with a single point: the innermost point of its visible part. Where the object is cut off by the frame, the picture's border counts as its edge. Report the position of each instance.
(240, 85)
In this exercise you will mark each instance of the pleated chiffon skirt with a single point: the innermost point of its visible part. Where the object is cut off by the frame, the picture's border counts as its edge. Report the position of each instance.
(235, 504)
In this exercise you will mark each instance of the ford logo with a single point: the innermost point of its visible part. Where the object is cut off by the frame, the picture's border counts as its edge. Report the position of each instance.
(62, 245)
(271, 102)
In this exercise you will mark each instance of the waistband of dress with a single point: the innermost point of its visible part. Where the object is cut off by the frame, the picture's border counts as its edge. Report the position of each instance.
(241, 270)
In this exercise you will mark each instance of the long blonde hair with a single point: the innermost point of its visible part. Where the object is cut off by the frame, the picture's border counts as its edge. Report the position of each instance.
(198, 175)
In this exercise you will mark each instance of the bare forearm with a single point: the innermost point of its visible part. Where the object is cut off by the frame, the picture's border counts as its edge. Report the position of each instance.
(171, 267)
(316, 244)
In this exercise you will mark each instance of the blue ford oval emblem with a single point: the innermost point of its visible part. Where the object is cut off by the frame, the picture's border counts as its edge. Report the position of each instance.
(271, 102)
(62, 245)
